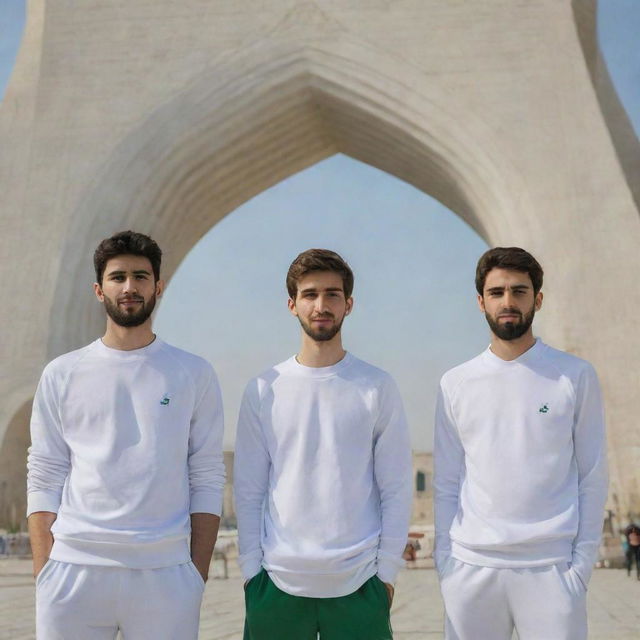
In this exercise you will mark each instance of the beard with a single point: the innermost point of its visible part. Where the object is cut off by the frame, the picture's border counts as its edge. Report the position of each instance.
(130, 317)
(321, 334)
(511, 330)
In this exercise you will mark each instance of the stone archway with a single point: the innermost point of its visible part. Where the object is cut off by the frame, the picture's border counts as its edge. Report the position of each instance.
(168, 128)
(272, 112)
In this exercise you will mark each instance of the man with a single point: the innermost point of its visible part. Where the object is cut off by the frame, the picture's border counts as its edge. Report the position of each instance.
(322, 477)
(125, 465)
(519, 472)
(632, 552)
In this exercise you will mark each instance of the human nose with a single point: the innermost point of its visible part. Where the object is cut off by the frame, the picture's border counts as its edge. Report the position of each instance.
(321, 303)
(508, 299)
(129, 285)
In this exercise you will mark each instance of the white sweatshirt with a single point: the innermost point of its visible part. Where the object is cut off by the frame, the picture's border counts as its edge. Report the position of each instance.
(520, 473)
(125, 445)
(322, 477)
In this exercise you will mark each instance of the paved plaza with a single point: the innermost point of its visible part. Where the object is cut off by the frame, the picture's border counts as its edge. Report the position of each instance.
(614, 609)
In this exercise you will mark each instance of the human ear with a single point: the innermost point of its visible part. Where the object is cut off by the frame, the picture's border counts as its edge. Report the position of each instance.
(349, 305)
(538, 300)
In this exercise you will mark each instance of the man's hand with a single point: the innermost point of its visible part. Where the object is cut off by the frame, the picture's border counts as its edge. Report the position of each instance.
(203, 569)
(390, 591)
(40, 537)
(38, 564)
(204, 531)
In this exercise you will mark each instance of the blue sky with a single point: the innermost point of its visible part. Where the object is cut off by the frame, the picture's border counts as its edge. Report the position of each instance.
(12, 13)
(415, 312)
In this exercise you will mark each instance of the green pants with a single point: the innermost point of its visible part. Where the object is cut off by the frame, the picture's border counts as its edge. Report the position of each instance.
(272, 614)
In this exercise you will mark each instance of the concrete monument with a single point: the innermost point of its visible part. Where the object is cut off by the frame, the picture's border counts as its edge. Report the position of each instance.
(165, 116)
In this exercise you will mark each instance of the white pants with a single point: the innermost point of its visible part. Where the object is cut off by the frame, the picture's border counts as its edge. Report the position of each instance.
(541, 603)
(81, 602)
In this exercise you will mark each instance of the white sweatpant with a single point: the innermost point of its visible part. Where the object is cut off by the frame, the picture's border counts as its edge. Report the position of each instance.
(541, 603)
(82, 602)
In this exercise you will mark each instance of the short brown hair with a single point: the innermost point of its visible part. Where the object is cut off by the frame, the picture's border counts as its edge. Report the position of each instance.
(319, 260)
(128, 243)
(512, 258)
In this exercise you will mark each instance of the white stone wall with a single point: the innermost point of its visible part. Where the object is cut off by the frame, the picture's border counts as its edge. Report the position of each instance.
(165, 116)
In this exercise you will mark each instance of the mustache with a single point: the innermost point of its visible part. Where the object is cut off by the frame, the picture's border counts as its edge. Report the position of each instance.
(510, 312)
(131, 299)
(323, 316)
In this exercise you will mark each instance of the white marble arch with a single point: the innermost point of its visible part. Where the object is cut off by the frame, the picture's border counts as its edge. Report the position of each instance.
(165, 119)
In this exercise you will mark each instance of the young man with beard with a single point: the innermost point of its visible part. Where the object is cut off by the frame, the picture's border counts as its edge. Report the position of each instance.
(520, 472)
(322, 477)
(126, 472)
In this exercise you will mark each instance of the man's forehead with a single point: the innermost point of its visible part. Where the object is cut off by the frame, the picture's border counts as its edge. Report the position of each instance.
(128, 262)
(507, 278)
(321, 280)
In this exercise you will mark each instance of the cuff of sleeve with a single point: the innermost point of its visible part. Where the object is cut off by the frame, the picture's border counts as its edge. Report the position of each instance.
(43, 501)
(206, 502)
(250, 563)
(582, 568)
(388, 568)
(440, 559)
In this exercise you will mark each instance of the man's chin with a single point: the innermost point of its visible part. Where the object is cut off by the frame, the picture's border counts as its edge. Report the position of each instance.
(130, 316)
(510, 332)
(129, 323)
(128, 320)
(323, 335)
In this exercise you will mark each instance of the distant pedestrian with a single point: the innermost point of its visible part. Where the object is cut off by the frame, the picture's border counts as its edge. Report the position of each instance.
(322, 477)
(126, 472)
(520, 472)
(632, 551)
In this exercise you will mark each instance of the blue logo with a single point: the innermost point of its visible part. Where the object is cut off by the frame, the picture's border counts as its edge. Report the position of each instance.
(165, 400)
(544, 408)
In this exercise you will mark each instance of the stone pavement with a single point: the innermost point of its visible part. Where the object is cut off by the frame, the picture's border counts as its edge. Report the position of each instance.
(614, 605)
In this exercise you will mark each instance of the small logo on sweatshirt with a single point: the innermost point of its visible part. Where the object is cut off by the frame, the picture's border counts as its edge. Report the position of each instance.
(544, 408)
(165, 400)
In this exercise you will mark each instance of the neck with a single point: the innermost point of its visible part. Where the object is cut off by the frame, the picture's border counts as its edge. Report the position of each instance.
(320, 354)
(512, 349)
(128, 338)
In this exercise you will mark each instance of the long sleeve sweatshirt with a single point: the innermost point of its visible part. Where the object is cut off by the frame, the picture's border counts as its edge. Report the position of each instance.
(125, 445)
(520, 472)
(322, 477)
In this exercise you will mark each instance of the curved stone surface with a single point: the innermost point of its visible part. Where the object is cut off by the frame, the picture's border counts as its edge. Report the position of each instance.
(166, 116)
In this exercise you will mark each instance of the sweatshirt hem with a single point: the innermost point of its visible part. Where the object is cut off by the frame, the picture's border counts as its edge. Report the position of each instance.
(515, 556)
(155, 555)
(388, 570)
(326, 585)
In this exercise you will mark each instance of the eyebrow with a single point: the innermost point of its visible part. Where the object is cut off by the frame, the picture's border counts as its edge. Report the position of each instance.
(312, 289)
(135, 273)
(515, 286)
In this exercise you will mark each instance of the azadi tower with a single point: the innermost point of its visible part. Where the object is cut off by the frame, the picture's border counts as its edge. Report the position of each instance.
(164, 116)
